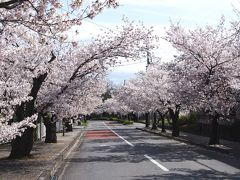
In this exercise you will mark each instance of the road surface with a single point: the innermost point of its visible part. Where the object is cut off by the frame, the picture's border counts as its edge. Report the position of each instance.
(111, 151)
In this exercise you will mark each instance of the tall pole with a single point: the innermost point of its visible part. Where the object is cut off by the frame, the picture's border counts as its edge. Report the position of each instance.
(149, 59)
(148, 115)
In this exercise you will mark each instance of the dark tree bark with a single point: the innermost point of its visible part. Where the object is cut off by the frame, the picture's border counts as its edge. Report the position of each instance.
(22, 146)
(214, 135)
(11, 4)
(163, 125)
(162, 118)
(147, 121)
(154, 124)
(137, 117)
(68, 125)
(174, 114)
(51, 136)
(85, 118)
(134, 117)
(51, 129)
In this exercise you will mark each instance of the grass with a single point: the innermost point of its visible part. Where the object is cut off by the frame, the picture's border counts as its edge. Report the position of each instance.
(114, 119)
(100, 118)
(85, 124)
(125, 122)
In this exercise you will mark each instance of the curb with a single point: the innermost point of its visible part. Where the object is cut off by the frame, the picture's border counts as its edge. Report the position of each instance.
(59, 160)
(217, 149)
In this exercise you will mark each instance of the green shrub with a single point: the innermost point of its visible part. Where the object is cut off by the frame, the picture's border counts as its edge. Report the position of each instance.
(193, 116)
(100, 118)
(85, 124)
(188, 119)
(183, 119)
(120, 121)
(127, 122)
(114, 119)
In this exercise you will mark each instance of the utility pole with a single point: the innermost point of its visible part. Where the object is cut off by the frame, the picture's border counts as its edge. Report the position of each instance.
(149, 59)
(148, 114)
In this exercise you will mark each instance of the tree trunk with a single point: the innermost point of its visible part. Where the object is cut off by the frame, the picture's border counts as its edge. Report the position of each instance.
(175, 116)
(154, 125)
(147, 122)
(137, 117)
(22, 146)
(86, 118)
(214, 135)
(134, 117)
(175, 129)
(163, 125)
(162, 118)
(51, 130)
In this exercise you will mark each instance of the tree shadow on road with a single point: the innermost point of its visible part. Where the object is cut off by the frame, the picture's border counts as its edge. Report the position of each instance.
(188, 175)
(116, 151)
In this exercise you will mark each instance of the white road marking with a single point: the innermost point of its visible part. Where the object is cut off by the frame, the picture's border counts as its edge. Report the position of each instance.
(156, 163)
(183, 143)
(119, 135)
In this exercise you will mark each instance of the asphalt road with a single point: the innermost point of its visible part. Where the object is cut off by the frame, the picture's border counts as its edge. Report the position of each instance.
(111, 152)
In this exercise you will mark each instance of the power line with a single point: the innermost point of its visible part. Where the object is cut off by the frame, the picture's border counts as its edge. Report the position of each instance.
(88, 20)
(128, 64)
(97, 24)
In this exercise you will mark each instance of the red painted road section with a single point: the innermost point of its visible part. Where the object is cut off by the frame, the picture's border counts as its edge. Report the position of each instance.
(100, 134)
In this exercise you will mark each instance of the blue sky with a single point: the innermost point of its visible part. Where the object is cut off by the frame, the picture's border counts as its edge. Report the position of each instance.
(158, 13)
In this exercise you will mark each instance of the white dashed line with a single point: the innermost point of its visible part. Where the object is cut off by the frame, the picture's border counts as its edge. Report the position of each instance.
(156, 163)
(148, 157)
(130, 144)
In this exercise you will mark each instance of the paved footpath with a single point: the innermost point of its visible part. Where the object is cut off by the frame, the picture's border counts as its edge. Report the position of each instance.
(44, 160)
(111, 151)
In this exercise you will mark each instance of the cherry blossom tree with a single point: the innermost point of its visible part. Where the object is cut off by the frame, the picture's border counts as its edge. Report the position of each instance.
(156, 83)
(54, 74)
(112, 105)
(30, 56)
(136, 96)
(50, 18)
(26, 30)
(18, 55)
(205, 69)
(32, 36)
(128, 42)
(78, 100)
(154, 91)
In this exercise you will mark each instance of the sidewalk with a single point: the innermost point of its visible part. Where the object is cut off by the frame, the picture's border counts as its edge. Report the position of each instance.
(228, 147)
(44, 160)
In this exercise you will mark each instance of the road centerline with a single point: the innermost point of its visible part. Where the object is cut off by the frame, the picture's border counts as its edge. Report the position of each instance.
(156, 163)
(130, 144)
(148, 157)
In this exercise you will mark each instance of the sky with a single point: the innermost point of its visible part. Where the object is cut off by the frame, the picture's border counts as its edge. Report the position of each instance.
(159, 14)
